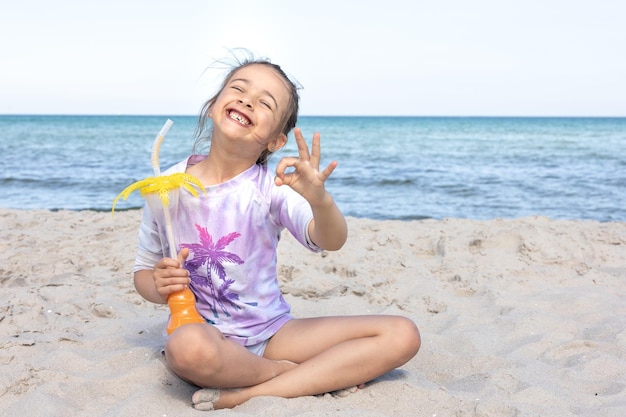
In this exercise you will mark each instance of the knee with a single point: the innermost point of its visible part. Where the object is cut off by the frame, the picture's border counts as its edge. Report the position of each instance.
(406, 337)
(187, 348)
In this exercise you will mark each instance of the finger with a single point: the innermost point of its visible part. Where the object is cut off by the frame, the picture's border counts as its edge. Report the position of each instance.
(172, 287)
(175, 288)
(171, 276)
(316, 153)
(174, 282)
(166, 263)
(283, 164)
(328, 170)
(303, 149)
(182, 256)
(284, 179)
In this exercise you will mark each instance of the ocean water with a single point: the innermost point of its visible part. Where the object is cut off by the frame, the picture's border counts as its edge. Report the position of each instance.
(389, 167)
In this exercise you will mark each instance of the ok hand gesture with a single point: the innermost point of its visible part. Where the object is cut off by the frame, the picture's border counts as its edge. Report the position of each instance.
(305, 178)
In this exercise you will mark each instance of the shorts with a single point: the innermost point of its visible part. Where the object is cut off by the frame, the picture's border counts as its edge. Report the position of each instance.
(259, 348)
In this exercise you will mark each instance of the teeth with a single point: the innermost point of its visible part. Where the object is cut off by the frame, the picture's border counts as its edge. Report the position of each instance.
(239, 118)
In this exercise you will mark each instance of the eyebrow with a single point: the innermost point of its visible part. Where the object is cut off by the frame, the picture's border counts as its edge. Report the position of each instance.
(265, 92)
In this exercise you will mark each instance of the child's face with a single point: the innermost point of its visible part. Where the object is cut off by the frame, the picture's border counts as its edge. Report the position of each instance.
(252, 107)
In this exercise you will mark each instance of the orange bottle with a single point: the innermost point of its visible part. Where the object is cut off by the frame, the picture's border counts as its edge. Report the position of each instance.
(182, 310)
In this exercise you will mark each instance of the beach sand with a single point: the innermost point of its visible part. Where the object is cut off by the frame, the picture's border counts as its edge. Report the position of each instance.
(523, 317)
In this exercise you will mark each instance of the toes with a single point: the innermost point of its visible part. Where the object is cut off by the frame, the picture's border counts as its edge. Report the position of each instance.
(205, 399)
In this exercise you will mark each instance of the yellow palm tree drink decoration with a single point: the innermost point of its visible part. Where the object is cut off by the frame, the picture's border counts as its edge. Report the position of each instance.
(182, 304)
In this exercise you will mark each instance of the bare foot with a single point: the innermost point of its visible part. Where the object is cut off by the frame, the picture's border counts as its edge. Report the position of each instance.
(205, 399)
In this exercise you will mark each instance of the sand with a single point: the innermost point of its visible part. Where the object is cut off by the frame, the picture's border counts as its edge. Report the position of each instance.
(522, 317)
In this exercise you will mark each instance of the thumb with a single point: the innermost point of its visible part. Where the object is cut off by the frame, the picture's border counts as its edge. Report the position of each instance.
(182, 256)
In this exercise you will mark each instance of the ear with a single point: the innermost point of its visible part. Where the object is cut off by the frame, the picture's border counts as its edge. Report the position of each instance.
(277, 143)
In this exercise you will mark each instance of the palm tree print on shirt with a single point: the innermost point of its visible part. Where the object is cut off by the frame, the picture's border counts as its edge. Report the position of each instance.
(209, 257)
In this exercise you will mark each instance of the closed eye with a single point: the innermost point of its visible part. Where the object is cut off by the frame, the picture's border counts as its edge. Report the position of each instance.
(265, 93)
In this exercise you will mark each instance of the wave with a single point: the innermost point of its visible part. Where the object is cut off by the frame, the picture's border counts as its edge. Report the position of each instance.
(99, 209)
(367, 181)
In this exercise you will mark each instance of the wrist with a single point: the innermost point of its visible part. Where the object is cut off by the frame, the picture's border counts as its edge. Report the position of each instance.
(324, 202)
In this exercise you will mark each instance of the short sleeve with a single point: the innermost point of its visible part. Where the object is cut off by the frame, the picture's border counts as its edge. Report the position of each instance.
(149, 248)
(291, 211)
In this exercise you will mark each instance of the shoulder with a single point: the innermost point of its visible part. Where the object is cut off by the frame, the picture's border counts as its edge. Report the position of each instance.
(263, 179)
(184, 164)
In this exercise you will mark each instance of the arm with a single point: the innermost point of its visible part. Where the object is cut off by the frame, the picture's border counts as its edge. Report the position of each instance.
(328, 229)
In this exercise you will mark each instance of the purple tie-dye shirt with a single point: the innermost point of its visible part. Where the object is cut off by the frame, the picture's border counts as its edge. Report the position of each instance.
(232, 233)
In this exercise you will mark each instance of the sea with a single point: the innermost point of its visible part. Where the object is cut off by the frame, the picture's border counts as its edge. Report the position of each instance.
(402, 168)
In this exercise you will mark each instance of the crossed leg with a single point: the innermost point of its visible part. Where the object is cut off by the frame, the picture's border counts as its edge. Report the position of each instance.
(305, 357)
(201, 355)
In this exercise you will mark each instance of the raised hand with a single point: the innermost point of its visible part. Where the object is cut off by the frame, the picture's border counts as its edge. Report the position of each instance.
(305, 178)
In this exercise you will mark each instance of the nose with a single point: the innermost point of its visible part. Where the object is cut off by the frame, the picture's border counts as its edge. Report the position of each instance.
(245, 101)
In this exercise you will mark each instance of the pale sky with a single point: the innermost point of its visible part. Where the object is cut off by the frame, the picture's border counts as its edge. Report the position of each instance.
(391, 57)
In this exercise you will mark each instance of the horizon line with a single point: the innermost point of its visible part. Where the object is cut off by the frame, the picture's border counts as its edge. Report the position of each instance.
(326, 115)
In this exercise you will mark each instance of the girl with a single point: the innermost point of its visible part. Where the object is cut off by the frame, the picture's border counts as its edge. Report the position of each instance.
(251, 345)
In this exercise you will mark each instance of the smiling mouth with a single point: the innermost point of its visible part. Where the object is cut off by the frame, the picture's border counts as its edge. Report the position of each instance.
(239, 117)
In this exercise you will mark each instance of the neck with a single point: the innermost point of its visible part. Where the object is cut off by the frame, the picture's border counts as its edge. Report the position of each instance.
(217, 169)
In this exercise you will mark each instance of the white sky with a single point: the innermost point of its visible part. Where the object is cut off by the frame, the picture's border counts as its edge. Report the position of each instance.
(391, 57)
